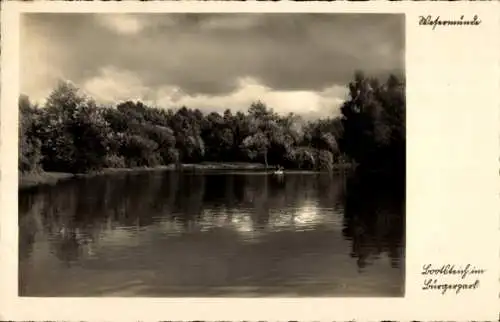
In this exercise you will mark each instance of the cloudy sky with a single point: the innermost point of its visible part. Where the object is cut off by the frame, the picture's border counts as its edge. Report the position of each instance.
(293, 62)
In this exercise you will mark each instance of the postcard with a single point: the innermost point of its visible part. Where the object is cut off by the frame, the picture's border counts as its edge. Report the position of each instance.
(230, 161)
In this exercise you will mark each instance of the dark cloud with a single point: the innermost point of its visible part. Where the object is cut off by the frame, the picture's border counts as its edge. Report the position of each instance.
(208, 53)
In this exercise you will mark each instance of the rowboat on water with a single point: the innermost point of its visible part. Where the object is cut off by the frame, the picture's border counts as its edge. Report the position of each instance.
(279, 171)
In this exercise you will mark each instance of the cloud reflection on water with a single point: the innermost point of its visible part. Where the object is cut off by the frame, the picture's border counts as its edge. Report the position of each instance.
(220, 222)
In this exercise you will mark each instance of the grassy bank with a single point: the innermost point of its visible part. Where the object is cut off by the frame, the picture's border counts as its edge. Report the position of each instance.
(32, 179)
(28, 180)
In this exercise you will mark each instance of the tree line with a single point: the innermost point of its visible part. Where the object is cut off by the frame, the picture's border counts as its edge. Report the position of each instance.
(72, 133)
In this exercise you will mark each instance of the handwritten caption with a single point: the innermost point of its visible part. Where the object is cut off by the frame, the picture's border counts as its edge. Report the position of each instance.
(438, 21)
(468, 278)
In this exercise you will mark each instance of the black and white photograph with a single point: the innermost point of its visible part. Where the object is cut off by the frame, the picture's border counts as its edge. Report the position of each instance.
(211, 154)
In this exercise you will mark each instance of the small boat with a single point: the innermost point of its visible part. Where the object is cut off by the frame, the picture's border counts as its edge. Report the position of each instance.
(278, 172)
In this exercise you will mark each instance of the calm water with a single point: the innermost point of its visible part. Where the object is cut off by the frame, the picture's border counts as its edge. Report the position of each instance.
(231, 234)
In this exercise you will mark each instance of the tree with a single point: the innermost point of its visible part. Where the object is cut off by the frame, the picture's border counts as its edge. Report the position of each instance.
(373, 120)
(218, 135)
(30, 153)
(66, 99)
(325, 160)
(139, 151)
(165, 139)
(77, 134)
(256, 145)
(303, 158)
(72, 133)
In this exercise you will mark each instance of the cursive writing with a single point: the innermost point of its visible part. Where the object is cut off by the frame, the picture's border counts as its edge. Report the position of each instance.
(435, 273)
(433, 284)
(437, 21)
(452, 270)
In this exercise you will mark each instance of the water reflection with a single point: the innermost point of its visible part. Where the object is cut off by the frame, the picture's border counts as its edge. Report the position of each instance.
(304, 234)
(374, 220)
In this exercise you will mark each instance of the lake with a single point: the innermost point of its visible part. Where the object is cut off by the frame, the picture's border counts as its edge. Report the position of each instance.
(231, 234)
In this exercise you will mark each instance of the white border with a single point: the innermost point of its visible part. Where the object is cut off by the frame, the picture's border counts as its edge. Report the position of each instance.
(452, 148)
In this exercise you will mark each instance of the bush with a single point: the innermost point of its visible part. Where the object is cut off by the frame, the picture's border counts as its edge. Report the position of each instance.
(115, 161)
(303, 158)
(325, 160)
(59, 154)
(30, 154)
(169, 156)
(140, 152)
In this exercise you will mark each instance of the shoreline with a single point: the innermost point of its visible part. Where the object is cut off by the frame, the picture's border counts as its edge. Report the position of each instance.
(34, 179)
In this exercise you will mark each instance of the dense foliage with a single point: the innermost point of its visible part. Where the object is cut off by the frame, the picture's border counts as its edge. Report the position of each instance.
(72, 133)
(374, 123)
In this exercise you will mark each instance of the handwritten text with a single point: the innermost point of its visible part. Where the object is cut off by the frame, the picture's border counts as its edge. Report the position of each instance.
(468, 277)
(437, 21)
